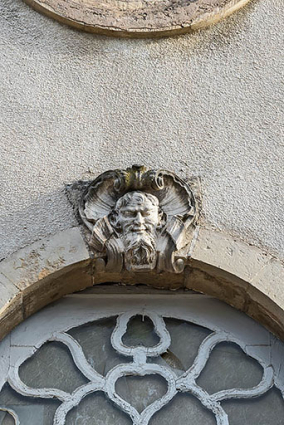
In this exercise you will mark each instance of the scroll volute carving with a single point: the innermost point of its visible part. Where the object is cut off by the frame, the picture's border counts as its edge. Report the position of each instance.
(139, 219)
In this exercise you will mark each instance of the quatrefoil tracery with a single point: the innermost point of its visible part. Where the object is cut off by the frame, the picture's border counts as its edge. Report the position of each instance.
(139, 366)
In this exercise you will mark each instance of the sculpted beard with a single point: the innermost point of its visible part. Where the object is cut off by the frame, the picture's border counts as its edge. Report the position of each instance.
(140, 250)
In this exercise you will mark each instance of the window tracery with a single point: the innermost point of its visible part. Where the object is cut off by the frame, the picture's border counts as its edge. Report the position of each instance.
(138, 359)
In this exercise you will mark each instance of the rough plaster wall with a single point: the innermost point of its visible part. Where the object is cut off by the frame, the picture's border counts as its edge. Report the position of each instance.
(74, 105)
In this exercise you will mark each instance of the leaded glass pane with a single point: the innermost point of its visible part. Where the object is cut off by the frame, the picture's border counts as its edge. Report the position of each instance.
(140, 331)
(185, 341)
(96, 409)
(31, 411)
(52, 366)
(94, 338)
(265, 410)
(182, 410)
(6, 418)
(229, 367)
(139, 391)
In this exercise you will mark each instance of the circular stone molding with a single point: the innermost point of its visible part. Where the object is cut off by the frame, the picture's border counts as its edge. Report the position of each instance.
(138, 18)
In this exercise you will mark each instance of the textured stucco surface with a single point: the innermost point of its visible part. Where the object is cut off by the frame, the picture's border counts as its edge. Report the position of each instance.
(207, 104)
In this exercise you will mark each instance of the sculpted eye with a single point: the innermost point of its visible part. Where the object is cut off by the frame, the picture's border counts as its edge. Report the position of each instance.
(129, 214)
(146, 213)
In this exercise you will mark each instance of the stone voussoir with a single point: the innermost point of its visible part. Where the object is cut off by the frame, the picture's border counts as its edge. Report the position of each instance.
(31, 268)
(219, 265)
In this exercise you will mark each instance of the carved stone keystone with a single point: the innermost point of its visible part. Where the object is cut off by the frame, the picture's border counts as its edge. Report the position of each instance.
(139, 219)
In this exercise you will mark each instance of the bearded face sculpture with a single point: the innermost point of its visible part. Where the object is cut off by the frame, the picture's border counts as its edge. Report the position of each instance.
(136, 217)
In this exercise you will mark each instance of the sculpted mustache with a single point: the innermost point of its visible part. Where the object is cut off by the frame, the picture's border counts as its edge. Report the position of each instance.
(148, 240)
(144, 226)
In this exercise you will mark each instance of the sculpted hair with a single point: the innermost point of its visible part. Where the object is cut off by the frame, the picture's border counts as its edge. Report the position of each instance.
(138, 196)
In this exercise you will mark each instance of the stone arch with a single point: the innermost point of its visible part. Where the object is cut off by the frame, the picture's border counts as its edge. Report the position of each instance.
(218, 265)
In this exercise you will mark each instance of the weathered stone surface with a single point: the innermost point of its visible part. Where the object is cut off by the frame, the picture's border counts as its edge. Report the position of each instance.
(11, 314)
(71, 279)
(138, 18)
(226, 288)
(245, 278)
(45, 257)
(139, 219)
(7, 289)
(270, 279)
(41, 273)
(241, 275)
(228, 253)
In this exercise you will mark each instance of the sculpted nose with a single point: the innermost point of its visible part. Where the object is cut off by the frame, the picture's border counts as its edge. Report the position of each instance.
(139, 218)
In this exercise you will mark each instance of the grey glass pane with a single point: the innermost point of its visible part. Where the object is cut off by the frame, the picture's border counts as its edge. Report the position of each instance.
(229, 367)
(140, 331)
(52, 366)
(30, 411)
(96, 409)
(185, 342)
(184, 409)
(265, 410)
(140, 391)
(6, 419)
(94, 339)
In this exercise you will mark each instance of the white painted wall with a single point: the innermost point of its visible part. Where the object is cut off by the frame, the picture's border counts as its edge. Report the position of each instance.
(207, 104)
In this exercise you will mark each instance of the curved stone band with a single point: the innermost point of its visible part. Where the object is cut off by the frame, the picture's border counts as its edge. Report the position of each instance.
(138, 18)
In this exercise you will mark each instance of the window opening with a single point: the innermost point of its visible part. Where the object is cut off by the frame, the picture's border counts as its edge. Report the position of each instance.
(141, 359)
